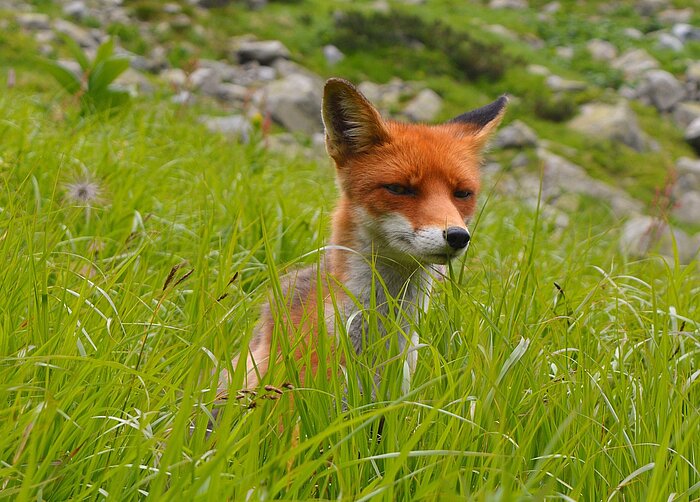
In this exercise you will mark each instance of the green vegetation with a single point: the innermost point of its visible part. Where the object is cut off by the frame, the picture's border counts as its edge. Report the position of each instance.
(138, 247)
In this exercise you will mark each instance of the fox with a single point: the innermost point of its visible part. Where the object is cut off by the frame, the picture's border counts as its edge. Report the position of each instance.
(406, 195)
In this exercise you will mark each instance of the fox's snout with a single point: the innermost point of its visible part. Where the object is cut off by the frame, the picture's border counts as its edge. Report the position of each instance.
(457, 237)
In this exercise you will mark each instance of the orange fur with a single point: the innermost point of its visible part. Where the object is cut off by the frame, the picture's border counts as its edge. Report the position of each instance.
(403, 190)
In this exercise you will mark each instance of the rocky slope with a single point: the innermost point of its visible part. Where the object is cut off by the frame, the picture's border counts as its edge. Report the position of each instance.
(255, 79)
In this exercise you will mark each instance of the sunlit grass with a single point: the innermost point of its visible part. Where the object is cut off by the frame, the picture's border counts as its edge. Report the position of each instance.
(552, 366)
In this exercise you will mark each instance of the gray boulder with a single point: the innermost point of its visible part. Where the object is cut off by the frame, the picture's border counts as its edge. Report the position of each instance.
(561, 176)
(692, 134)
(559, 84)
(611, 122)
(262, 51)
(516, 135)
(685, 112)
(424, 107)
(660, 89)
(666, 41)
(332, 54)
(688, 175)
(635, 63)
(601, 50)
(508, 4)
(295, 102)
(82, 37)
(645, 235)
(687, 208)
(685, 32)
(33, 21)
(236, 126)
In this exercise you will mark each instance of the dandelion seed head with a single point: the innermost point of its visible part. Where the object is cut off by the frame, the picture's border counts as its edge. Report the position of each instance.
(85, 191)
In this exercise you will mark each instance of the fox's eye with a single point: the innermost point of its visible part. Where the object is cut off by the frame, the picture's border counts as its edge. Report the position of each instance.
(396, 189)
(463, 194)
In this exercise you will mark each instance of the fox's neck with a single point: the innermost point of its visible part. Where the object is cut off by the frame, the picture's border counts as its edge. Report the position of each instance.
(374, 280)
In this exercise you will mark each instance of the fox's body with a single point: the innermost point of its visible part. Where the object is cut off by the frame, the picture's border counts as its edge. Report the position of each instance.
(406, 195)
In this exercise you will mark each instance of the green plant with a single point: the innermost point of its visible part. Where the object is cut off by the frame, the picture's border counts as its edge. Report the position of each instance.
(93, 88)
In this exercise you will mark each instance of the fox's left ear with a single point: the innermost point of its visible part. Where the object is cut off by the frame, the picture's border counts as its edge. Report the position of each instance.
(479, 124)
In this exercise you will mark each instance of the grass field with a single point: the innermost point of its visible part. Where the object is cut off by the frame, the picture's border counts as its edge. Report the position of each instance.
(138, 248)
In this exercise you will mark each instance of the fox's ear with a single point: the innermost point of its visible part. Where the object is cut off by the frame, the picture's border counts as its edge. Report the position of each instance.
(352, 124)
(480, 123)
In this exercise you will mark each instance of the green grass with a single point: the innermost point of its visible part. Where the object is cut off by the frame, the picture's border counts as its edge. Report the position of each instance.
(552, 366)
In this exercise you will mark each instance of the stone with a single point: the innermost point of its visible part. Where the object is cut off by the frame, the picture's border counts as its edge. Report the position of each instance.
(332, 54)
(233, 125)
(687, 208)
(660, 89)
(685, 112)
(172, 8)
(536, 69)
(559, 84)
(33, 21)
(295, 102)
(134, 82)
(634, 63)
(508, 4)
(633, 33)
(610, 122)
(81, 36)
(601, 50)
(517, 134)
(174, 77)
(424, 107)
(650, 7)
(565, 52)
(227, 91)
(263, 51)
(692, 134)
(685, 32)
(675, 16)
(688, 174)
(645, 235)
(77, 10)
(666, 41)
(562, 176)
(204, 79)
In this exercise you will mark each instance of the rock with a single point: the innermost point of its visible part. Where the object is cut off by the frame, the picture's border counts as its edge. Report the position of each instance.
(295, 103)
(660, 89)
(81, 36)
(674, 16)
(386, 96)
(633, 33)
(536, 69)
(610, 122)
(232, 92)
(601, 50)
(685, 112)
(565, 52)
(685, 32)
(508, 4)
(559, 84)
(692, 134)
(551, 8)
(666, 41)
(77, 10)
(209, 4)
(204, 79)
(172, 8)
(692, 80)
(33, 21)
(501, 31)
(264, 51)
(687, 178)
(424, 107)
(180, 22)
(134, 82)
(234, 125)
(562, 176)
(520, 161)
(650, 7)
(332, 54)
(687, 208)
(516, 135)
(174, 77)
(634, 63)
(643, 235)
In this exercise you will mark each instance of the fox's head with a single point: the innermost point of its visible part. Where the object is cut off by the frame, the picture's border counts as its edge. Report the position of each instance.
(407, 190)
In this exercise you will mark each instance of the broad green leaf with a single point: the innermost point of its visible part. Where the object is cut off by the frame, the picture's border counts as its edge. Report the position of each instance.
(66, 78)
(104, 51)
(76, 51)
(105, 72)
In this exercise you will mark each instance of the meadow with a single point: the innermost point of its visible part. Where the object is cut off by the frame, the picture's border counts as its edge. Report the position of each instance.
(138, 248)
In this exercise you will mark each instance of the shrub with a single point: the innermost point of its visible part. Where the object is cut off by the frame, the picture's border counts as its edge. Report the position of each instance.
(466, 56)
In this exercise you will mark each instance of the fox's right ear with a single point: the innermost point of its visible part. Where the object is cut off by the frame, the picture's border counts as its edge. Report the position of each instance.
(352, 124)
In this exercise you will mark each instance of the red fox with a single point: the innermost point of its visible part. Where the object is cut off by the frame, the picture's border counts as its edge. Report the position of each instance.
(407, 192)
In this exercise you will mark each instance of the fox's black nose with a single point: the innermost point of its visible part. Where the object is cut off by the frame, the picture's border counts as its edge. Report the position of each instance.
(456, 237)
